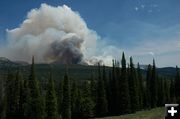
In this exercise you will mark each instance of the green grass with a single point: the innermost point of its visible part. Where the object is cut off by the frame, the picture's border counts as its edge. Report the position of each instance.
(157, 113)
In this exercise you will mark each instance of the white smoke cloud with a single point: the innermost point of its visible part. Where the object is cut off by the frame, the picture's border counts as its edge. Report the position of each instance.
(54, 34)
(51, 34)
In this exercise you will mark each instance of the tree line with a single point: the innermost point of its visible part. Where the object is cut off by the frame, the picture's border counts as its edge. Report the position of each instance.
(115, 91)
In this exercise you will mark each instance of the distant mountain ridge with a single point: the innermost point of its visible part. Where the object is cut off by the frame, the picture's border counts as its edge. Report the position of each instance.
(6, 62)
(75, 68)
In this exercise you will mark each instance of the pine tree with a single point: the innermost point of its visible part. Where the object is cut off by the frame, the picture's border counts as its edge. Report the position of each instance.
(124, 89)
(93, 88)
(87, 105)
(161, 92)
(167, 91)
(13, 96)
(113, 107)
(74, 98)
(78, 105)
(133, 90)
(60, 96)
(51, 100)
(141, 87)
(101, 107)
(66, 105)
(172, 91)
(177, 85)
(153, 88)
(118, 81)
(147, 95)
(107, 87)
(24, 100)
(36, 101)
(10, 106)
(1, 98)
(17, 84)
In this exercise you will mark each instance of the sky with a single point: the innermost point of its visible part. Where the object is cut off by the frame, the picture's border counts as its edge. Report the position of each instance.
(144, 29)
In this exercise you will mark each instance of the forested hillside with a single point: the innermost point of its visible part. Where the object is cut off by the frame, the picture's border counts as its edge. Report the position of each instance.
(79, 92)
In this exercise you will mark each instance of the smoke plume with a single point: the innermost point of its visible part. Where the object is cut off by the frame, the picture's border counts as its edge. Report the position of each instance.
(52, 34)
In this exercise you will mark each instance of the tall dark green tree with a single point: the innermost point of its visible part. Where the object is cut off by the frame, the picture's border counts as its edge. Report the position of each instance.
(51, 100)
(177, 85)
(167, 91)
(113, 107)
(133, 90)
(172, 91)
(87, 104)
(161, 92)
(102, 104)
(24, 100)
(10, 106)
(36, 101)
(2, 101)
(60, 96)
(141, 87)
(107, 86)
(13, 87)
(154, 86)
(77, 110)
(66, 105)
(147, 94)
(93, 93)
(74, 98)
(17, 87)
(124, 89)
(11, 98)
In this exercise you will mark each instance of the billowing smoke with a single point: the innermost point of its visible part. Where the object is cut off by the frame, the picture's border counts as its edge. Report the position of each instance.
(52, 34)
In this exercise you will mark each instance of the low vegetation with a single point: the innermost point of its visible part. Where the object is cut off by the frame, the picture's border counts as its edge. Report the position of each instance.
(157, 113)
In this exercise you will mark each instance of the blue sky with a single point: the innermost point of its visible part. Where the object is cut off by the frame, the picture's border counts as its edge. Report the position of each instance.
(142, 28)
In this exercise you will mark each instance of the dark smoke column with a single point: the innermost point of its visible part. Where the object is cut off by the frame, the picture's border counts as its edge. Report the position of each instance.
(66, 51)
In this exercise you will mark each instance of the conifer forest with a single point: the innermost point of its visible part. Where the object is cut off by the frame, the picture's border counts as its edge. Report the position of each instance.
(117, 90)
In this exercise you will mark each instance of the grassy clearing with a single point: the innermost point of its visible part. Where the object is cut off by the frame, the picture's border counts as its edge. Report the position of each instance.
(157, 113)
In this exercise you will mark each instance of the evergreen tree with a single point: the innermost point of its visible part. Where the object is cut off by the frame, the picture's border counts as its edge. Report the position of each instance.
(177, 85)
(16, 100)
(51, 100)
(66, 105)
(87, 105)
(60, 96)
(74, 98)
(133, 90)
(118, 81)
(36, 101)
(147, 95)
(102, 107)
(107, 86)
(10, 105)
(153, 87)
(124, 89)
(141, 87)
(78, 105)
(1, 99)
(167, 91)
(93, 88)
(24, 100)
(161, 92)
(172, 91)
(13, 96)
(113, 107)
